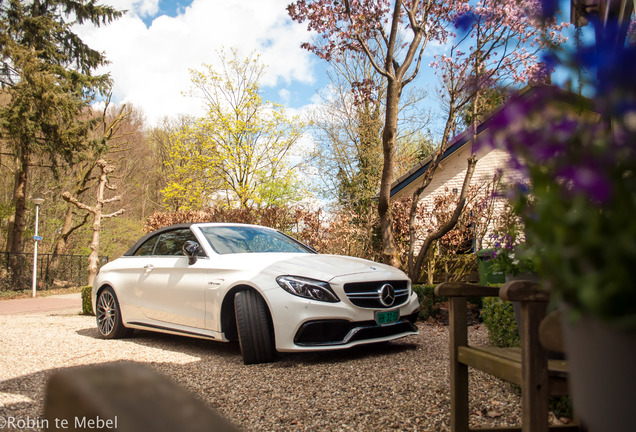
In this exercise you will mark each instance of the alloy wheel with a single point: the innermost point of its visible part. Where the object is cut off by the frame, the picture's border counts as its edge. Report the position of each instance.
(106, 310)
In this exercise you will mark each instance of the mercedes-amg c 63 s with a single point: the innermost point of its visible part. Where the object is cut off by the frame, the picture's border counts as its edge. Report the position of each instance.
(251, 284)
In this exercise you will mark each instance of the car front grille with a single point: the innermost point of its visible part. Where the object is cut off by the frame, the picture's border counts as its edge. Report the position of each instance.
(369, 294)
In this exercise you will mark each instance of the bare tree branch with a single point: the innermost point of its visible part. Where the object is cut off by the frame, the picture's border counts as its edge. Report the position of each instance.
(114, 214)
(68, 198)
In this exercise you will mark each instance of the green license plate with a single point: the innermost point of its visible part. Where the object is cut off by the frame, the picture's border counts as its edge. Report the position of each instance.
(387, 317)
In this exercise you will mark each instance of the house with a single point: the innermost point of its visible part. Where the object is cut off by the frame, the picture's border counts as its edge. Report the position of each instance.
(491, 164)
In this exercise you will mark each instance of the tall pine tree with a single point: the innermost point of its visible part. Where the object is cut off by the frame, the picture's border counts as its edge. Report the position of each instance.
(47, 83)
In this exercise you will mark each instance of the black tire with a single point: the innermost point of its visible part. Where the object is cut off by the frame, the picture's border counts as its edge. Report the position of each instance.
(108, 315)
(254, 328)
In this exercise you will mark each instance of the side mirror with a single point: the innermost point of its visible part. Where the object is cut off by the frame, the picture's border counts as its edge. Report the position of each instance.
(191, 249)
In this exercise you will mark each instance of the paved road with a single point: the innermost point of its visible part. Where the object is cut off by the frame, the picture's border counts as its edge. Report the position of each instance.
(62, 303)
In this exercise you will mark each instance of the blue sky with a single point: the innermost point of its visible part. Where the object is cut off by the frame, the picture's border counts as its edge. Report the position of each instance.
(153, 47)
(168, 7)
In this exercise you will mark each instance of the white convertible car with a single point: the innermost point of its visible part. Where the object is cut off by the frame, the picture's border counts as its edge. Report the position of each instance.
(229, 282)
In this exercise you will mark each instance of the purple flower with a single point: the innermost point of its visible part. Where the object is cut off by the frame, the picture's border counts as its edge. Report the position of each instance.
(514, 112)
(612, 61)
(549, 8)
(550, 60)
(464, 21)
(589, 180)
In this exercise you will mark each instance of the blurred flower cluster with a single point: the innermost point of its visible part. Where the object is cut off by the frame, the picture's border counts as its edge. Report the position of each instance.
(506, 251)
(577, 160)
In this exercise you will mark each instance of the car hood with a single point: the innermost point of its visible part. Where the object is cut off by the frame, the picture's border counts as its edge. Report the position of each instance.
(316, 266)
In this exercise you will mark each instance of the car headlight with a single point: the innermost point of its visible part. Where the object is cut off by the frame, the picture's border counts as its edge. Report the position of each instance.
(307, 288)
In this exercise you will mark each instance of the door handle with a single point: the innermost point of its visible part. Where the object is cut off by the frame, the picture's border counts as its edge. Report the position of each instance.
(149, 267)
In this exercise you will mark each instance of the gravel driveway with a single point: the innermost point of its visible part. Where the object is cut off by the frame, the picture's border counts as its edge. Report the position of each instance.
(402, 385)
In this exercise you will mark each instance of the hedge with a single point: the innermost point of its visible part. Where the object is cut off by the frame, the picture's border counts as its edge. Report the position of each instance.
(428, 299)
(499, 317)
(87, 306)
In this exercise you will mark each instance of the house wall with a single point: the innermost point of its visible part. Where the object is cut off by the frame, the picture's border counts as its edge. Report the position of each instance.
(450, 175)
(451, 172)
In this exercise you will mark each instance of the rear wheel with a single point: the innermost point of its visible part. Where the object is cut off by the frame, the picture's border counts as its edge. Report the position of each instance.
(108, 314)
(254, 329)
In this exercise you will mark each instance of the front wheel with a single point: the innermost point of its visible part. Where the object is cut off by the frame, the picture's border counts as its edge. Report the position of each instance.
(254, 329)
(108, 314)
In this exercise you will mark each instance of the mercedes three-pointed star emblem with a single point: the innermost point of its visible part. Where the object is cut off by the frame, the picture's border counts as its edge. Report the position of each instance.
(387, 295)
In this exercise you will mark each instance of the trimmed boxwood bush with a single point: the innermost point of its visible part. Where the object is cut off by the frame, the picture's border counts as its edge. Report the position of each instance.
(87, 306)
(499, 317)
(428, 300)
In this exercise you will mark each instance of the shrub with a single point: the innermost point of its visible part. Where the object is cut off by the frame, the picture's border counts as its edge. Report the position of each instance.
(87, 306)
(499, 317)
(341, 233)
(428, 300)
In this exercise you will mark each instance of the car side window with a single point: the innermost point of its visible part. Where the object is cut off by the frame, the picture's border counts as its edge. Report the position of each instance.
(171, 243)
(147, 247)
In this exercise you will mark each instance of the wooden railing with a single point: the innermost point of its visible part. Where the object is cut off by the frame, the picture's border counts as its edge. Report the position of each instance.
(527, 366)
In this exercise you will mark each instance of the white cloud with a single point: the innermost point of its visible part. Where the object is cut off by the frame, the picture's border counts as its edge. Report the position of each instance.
(136, 7)
(284, 95)
(150, 65)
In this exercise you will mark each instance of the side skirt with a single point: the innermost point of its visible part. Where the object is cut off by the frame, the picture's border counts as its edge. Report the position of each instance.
(174, 331)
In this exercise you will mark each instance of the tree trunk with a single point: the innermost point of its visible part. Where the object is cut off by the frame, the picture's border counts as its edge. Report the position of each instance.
(19, 199)
(61, 243)
(93, 258)
(14, 241)
(428, 177)
(60, 246)
(68, 228)
(389, 254)
(97, 212)
(416, 272)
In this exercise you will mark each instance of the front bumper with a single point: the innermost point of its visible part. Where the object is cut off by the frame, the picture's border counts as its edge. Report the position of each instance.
(333, 333)
(307, 325)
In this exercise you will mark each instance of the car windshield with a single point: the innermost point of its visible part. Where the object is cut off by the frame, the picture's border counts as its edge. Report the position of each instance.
(243, 239)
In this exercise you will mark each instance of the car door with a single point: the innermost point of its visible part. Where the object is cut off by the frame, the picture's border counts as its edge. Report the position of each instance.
(169, 289)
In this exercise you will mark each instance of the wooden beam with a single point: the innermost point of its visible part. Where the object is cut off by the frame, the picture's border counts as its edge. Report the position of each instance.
(459, 289)
(492, 361)
(458, 335)
(534, 370)
(524, 290)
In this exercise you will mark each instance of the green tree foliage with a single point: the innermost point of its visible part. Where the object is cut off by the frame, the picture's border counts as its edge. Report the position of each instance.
(348, 133)
(47, 83)
(348, 136)
(161, 140)
(64, 228)
(240, 153)
(191, 155)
